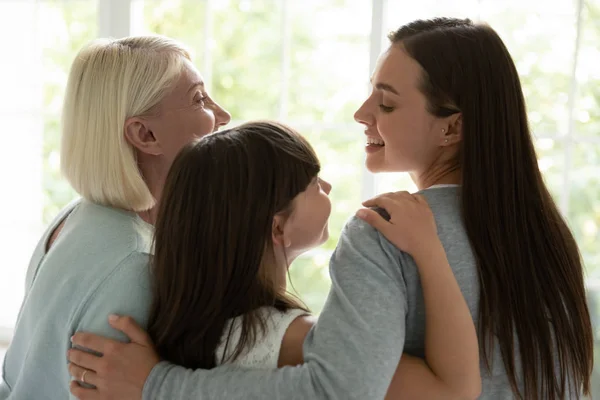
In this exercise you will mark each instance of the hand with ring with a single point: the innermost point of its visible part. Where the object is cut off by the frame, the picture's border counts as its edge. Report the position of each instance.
(79, 377)
(111, 370)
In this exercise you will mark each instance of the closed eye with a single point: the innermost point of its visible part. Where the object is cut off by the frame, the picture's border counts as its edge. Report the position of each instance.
(385, 108)
(200, 98)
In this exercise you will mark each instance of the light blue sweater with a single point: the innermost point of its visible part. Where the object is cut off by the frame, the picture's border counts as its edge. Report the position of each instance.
(97, 266)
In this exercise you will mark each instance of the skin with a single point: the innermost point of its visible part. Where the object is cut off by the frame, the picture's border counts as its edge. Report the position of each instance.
(396, 113)
(305, 228)
(186, 113)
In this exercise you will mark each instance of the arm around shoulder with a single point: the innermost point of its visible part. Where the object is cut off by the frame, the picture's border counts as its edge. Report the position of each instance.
(351, 353)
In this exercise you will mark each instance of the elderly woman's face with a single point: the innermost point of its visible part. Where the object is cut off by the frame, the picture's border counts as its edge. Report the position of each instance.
(186, 113)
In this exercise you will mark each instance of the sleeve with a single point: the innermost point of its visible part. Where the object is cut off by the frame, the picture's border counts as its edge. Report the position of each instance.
(350, 354)
(125, 291)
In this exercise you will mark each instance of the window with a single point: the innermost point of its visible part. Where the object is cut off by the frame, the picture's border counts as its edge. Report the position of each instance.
(307, 63)
(43, 39)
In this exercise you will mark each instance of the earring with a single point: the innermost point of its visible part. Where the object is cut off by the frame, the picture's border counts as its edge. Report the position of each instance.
(443, 130)
(445, 140)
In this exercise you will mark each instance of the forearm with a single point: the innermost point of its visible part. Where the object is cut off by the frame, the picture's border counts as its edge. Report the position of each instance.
(330, 370)
(451, 347)
(414, 380)
(171, 382)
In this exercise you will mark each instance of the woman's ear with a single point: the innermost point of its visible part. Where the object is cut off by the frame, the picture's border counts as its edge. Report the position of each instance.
(451, 132)
(139, 135)
(278, 232)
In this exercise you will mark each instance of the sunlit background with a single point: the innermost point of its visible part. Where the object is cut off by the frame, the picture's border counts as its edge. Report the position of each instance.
(304, 62)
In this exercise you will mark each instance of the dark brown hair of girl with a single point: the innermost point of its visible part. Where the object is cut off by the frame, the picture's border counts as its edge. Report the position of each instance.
(532, 294)
(213, 243)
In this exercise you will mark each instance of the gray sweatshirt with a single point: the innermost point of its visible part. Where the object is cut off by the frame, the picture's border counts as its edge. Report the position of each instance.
(374, 312)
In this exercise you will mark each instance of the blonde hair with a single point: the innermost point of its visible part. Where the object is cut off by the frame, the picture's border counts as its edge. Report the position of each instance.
(110, 81)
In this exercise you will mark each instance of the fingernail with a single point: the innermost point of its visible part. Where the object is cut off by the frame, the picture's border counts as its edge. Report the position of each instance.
(361, 214)
(72, 338)
(113, 317)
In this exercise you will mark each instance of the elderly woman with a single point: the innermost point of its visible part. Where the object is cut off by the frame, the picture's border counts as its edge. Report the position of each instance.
(130, 106)
(446, 106)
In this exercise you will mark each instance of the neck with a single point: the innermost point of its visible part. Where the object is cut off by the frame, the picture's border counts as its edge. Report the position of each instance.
(155, 175)
(438, 175)
(283, 260)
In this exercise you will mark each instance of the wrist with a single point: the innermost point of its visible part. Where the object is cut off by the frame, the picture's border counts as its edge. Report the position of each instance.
(428, 251)
(151, 384)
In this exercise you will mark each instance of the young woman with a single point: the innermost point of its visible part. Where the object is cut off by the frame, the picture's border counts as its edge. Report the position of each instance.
(239, 206)
(447, 107)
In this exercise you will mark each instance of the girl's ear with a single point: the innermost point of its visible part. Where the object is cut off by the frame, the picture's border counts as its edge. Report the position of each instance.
(278, 232)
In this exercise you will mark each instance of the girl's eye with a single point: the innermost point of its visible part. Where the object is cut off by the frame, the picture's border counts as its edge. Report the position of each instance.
(385, 108)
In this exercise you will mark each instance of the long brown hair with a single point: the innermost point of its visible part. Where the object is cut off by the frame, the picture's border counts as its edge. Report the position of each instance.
(213, 258)
(530, 271)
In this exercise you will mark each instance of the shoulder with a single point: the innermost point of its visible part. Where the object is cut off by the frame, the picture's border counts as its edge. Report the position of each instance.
(40, 249)
(59, 219)
(362, 244)
(445, 203)
(363, 257)
(284, 335)
(105, 229)
(359, 234)
(293, 340)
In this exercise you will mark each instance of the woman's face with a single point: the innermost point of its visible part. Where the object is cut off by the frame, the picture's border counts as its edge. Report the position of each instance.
(401, 135)
(186, 113)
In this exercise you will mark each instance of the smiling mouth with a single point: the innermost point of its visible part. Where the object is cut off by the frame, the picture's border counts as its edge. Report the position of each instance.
(373, 142)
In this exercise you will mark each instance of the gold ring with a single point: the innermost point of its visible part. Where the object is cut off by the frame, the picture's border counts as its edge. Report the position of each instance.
(83, 376)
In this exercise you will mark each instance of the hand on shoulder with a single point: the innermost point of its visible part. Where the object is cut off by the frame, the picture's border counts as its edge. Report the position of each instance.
(411, 226)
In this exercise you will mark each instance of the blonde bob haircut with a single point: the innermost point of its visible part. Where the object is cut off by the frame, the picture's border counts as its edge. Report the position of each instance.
(109, 82)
